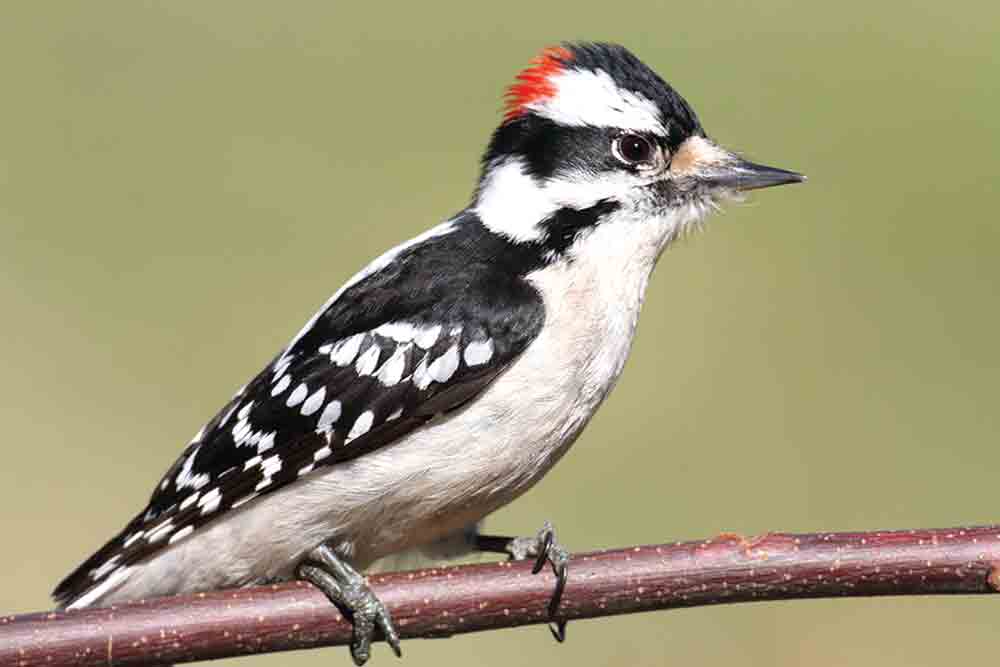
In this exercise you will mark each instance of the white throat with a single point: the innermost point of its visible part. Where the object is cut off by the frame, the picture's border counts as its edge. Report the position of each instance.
(594, 293)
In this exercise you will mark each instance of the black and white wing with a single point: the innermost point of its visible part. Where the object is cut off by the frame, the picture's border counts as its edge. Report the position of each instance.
(412, 338)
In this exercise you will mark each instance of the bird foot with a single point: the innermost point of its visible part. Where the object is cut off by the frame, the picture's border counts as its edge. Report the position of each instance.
(347, 588)
(544, 548)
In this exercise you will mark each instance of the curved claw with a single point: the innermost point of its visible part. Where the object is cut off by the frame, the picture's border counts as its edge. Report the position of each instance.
(561, 570)
(547, 549)
(384, 621)
(347, 589)
(543, 547)
(558, 630)
(559, 559)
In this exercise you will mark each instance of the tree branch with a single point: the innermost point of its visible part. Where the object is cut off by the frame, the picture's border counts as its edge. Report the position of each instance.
(443, 601)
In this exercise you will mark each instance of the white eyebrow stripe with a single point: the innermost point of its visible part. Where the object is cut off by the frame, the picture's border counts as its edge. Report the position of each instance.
(586, 97)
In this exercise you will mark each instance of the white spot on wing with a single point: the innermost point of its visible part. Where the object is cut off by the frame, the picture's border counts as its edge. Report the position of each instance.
(401, 332)
(306, 469)
(298, 395)
(280, 369)
(322, 453)
(210, 501)
(181, 534)
(368, 361)
(392, 370)
(245, 411)
(106, 567)
(186, 477)
(271, 465)
(282, 385)
(240, 431)
(190, 500)
(132, 538)
(478, 352)
(421, 378)
(442, 368)
(343, 353)
(266, 442)
(330, 415)
(427, 336)
(160, 531)
(314, 402)
(361, 425)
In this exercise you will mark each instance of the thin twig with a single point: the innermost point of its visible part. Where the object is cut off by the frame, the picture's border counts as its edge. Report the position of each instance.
(443, 601)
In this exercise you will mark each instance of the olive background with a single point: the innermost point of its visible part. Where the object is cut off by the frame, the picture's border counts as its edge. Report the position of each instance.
(183, 183)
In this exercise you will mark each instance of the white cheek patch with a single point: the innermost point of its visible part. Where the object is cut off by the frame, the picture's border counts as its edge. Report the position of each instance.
(585, 97)
(512, 203)
(583, 189)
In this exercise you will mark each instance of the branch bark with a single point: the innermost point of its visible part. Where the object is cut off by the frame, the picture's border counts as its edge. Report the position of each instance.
(439, 602)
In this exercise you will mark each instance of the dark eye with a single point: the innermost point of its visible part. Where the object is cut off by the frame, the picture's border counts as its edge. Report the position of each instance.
(633, 149)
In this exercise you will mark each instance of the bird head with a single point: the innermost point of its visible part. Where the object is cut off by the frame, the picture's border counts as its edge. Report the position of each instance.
(592, 133)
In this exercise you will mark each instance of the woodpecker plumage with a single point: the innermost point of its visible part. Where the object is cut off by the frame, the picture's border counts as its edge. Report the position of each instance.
(449, 375)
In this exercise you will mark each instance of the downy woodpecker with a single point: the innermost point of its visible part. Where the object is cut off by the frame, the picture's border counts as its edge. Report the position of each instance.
(449, 375)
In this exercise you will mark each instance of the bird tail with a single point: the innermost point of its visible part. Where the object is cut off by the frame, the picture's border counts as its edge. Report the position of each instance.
(97, 575)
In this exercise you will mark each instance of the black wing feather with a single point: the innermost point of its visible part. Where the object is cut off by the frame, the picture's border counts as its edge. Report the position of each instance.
(471, 320)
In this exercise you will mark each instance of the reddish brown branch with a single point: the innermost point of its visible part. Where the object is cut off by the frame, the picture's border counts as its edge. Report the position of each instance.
(444, 601)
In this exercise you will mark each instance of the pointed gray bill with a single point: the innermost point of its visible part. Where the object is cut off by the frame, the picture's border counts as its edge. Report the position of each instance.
(745, 175)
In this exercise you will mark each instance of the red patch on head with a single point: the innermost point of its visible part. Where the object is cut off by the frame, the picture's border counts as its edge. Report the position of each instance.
(534, 83)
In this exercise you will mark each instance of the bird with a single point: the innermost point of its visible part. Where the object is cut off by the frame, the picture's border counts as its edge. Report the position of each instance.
(449, 375)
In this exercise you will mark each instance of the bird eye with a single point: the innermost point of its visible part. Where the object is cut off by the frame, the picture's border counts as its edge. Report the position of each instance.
(633, 150)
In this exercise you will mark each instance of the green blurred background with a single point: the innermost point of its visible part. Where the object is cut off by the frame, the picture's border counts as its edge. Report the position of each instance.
(183, 183)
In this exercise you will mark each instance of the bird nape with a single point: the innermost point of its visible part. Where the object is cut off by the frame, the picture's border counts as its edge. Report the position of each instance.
(450, 374)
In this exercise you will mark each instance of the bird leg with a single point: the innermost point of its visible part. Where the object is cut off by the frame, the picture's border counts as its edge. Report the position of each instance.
(544, 548)
(346, 588)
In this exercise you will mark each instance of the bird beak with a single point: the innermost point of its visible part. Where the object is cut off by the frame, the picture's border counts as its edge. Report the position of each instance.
(715, 167)
(745, 175)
